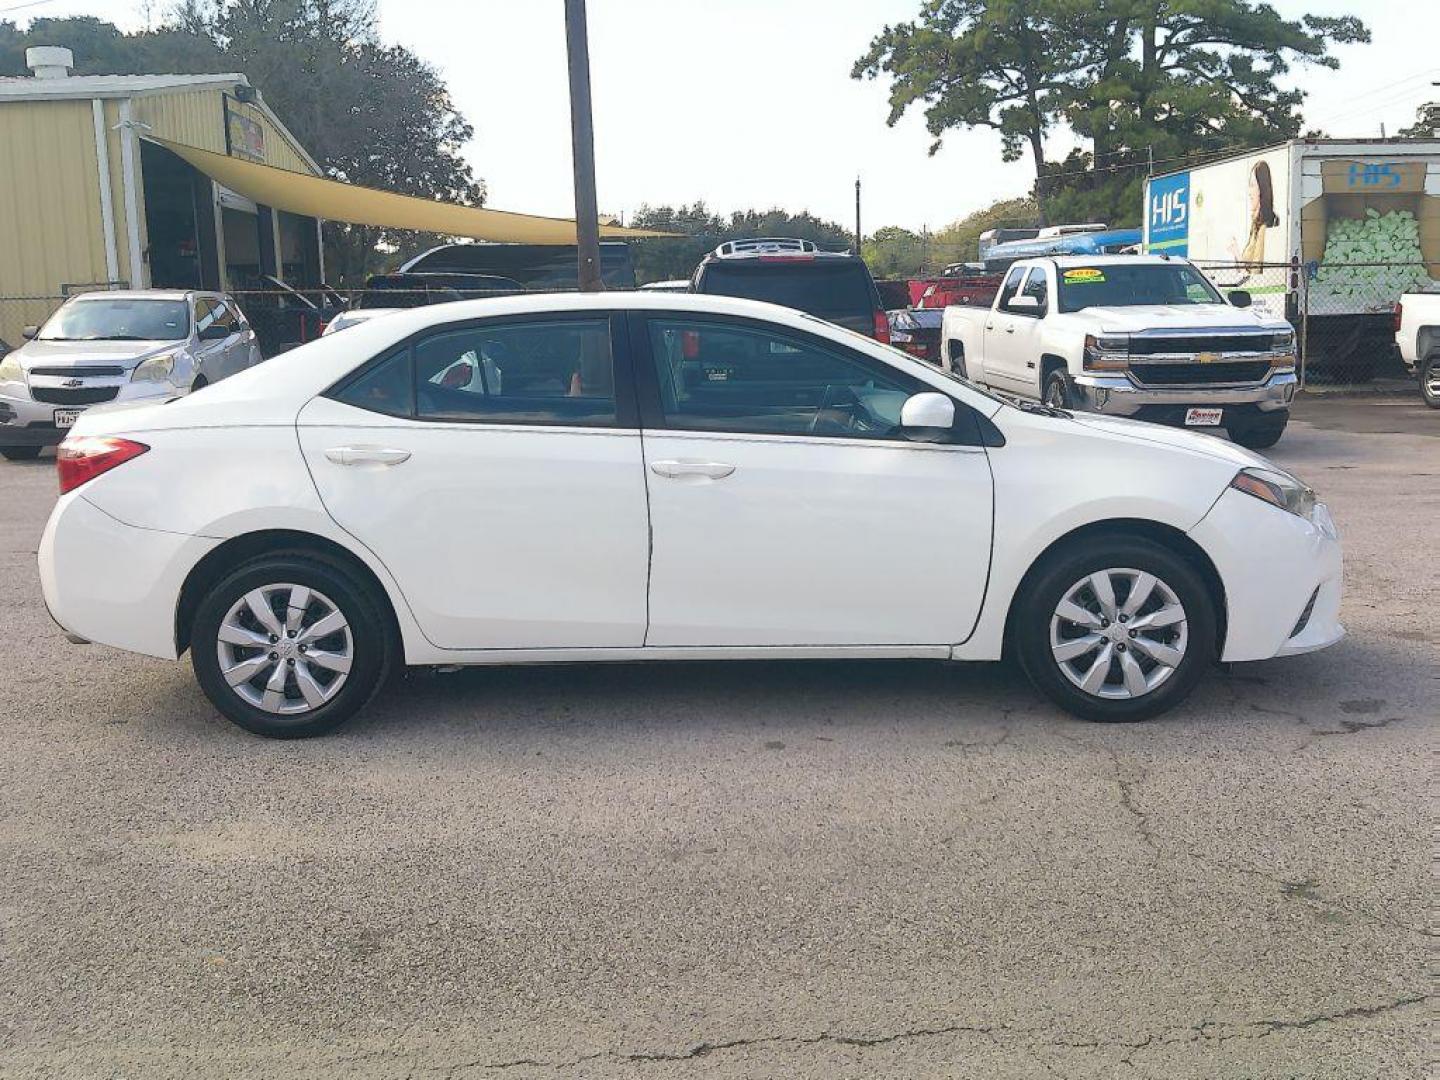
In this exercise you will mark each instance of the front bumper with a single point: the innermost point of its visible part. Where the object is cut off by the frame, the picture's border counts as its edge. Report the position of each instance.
(1119, 395)
(1282, 576)
(27, 422)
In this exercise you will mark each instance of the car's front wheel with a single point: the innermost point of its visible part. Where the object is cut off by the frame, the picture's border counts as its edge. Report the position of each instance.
(1262, 432)
(1115, 628)
(291, 645)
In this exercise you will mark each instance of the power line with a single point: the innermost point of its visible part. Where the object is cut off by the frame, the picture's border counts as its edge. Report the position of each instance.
(21, 7)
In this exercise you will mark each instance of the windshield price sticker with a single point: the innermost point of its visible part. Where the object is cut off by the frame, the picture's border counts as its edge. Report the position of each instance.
(1086, 275)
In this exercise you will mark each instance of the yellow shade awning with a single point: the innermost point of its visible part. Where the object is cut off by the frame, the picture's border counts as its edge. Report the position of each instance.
(315, 196)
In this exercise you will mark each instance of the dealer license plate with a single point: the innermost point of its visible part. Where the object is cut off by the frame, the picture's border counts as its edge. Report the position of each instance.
(1204, 417)
(65, 418)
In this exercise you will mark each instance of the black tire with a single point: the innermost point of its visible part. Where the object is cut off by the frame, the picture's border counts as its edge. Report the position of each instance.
(1042, 593)
(1057, 390)
(1430, 380)
(1262, 433)
(199, 384)
(19, 453)
(373, 645)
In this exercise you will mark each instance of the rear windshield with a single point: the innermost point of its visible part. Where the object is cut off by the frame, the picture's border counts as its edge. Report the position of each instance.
(817, 289)
(1124, 285)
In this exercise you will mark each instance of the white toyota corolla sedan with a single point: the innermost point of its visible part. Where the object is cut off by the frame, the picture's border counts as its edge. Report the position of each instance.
(637, 476)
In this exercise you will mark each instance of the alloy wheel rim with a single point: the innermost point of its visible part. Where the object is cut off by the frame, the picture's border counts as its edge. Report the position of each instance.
(285, 648)
(1119, 634)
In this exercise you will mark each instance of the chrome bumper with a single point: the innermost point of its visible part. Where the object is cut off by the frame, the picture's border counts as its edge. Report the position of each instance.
(1119, 395)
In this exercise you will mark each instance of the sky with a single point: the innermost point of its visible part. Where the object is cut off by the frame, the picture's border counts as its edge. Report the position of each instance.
(750, 104)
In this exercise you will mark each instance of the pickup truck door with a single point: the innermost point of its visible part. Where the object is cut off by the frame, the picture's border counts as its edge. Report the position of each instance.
(1012, 336)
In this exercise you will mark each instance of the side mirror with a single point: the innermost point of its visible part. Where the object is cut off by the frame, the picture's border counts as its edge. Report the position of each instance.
(30, 331)
(214, 332)
(928, 416)
(1239, 298)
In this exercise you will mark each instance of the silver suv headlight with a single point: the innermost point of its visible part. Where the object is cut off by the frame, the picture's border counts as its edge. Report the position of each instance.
(10, 369)
(1278, 489)
(155, 369)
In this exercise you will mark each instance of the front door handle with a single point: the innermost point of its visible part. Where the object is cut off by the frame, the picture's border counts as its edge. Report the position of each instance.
(715, 470)
(1009, 329)
(366, 455)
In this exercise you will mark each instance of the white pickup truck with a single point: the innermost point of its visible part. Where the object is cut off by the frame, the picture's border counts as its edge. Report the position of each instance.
(1145, 336)
(1417, 333)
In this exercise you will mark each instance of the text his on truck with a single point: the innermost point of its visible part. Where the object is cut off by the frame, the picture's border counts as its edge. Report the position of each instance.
(1146, 337)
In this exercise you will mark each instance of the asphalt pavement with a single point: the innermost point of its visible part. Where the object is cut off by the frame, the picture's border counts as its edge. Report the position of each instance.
(784, 869)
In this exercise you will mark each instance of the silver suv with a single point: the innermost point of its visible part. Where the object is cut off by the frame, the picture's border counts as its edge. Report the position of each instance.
(116, 346)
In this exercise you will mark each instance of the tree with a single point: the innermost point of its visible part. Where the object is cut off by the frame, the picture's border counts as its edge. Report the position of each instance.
(1008, 65)
(1140, 80)
(667, 258)
(371, 114)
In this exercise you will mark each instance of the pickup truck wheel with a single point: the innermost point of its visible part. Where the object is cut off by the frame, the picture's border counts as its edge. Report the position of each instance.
(1057, 390)
(1115, 628)
(1260, 434)
(1430, 380)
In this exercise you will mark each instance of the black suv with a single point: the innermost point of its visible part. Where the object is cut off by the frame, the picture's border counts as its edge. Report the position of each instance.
(835, 286)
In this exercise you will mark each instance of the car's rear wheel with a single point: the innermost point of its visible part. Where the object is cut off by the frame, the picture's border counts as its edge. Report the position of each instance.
(1430, 380)
(19, 453)
(1116, 628)
(291, 645)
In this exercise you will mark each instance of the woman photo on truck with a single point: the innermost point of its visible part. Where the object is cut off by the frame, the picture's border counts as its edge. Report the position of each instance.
(1262, 216)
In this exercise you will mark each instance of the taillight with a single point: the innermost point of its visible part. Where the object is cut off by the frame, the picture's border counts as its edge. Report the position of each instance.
(1399, 311)
(882, 327)
(83, 457)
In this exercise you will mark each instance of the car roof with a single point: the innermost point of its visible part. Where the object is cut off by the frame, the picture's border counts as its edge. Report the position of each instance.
(143, 294)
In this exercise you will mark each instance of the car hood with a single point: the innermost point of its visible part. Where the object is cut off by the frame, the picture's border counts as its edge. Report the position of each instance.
(1127, 320)
(127, 354)
(1210, 446)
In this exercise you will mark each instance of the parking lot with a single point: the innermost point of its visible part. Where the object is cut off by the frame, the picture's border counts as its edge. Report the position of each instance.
(823, 869)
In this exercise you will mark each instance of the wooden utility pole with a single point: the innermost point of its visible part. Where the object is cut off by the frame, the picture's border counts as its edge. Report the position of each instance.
(582, 141)
(857, 215)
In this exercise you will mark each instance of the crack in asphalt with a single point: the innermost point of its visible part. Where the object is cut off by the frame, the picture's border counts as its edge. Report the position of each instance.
(1204, 1032)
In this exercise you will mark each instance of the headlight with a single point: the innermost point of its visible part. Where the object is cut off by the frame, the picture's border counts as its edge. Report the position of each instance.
(1283, 342)
(10, 369)
(1276, 488)
(1107, 352)
(156, 369)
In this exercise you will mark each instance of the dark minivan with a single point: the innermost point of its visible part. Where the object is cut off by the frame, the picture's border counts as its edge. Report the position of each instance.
(831, 285)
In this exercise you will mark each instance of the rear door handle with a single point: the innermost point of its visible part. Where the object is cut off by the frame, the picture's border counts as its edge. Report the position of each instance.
(715, 470)
(1009, 329)
(366, 455)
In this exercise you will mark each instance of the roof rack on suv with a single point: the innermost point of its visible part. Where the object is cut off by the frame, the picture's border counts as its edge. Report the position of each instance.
(766, 245)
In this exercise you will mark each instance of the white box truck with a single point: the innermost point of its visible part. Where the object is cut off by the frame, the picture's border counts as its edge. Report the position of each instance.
(1327, 233)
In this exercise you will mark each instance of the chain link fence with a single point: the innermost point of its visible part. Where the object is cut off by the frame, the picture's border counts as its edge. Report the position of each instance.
(1343, 313)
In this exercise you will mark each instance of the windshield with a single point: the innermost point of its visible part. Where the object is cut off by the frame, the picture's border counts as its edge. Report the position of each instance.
(119, 320)
(841, 288)
(1135, 285)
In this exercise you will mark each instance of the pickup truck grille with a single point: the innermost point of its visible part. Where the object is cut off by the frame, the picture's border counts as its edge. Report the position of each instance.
(1188, 345)
(84, 395)
(1224, 372)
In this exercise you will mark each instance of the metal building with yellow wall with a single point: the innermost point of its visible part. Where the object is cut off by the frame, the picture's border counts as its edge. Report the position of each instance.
(92, 198)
